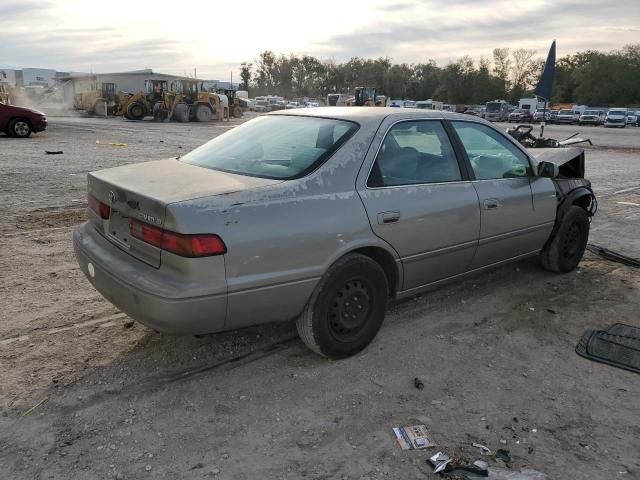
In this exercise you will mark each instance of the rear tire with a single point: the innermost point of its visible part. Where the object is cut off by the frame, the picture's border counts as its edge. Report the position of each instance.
(237, 111)
(181, 112)
(346, 308)
(136, 111)
(204, 113)
(100, 108)
(20, 128)
(566, 248)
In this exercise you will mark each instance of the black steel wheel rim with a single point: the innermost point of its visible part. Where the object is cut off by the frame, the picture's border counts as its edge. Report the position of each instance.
(571, 242)
(351, 309)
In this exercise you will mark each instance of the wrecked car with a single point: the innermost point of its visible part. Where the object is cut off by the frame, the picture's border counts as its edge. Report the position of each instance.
(325, 215)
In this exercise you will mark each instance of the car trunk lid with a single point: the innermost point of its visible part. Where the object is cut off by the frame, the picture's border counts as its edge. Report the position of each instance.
(142, 192)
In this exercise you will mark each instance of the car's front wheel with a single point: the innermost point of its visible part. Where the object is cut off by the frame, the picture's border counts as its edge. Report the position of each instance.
(20, 128)
(346, 308)
(564, 252)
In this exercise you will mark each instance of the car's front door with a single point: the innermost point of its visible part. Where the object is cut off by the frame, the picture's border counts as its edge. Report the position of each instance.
(419, 201)
(502, 173)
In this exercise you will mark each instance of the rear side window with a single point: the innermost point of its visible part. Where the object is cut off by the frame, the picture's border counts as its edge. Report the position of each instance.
(413, 153)
(278, 147)
(492, 156)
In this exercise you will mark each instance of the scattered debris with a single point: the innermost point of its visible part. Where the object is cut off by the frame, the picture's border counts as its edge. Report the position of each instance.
(440, 461)
(128, 324)
(414, 437)
(113, 144)
(418, 383)
(613, 256)
(53, 152)
(503, 455)
(35, 406)
(483, 450)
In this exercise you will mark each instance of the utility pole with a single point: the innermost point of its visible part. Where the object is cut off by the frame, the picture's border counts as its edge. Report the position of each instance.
(232, 79)
(195, 73)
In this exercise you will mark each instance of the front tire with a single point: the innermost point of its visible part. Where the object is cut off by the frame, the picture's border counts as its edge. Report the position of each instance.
(100, 108)
(204, 113)
(181, 112)
(565, 250)
(136, 111)
(346, 308)
(20, 128)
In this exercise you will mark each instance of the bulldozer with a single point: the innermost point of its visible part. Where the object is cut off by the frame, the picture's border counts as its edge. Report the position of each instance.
(136, 106)
(185, 100)
(100, 100)
(366, 97)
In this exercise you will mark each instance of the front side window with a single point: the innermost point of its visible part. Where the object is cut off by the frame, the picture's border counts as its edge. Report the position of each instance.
(414, 153)
(491, 155)
(278, 147)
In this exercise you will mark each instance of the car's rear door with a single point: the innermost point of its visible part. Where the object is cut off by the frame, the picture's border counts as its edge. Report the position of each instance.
(503, 174)
(418, 198)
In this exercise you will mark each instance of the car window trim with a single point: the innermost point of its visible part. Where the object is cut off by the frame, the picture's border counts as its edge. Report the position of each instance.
(463, 152)
(461, 166)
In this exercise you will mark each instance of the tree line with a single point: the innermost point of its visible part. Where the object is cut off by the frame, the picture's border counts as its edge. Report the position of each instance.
(590, 77)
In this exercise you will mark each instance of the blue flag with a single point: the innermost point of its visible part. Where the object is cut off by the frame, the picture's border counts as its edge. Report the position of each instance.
(545, 85)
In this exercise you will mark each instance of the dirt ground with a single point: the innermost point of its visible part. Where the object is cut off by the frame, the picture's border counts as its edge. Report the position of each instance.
(86, 393)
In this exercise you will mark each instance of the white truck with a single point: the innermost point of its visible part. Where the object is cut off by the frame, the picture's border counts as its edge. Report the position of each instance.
(430, 104)
(496, 111)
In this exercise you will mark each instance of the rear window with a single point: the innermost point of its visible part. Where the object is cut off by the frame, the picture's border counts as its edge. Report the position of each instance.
(277, 147)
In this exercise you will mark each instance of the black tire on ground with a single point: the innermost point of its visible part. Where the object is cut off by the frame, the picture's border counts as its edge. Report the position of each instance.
(565, 250)
(135, 111)
(346, 308)
(100, 108)
(237, 111)
(181, 112)
(20, 128)
(203, 113)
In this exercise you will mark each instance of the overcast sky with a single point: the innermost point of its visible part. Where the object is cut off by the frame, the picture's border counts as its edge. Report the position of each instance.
(176, 36)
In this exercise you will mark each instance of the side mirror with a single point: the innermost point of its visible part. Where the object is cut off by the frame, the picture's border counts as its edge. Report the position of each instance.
(548, 169)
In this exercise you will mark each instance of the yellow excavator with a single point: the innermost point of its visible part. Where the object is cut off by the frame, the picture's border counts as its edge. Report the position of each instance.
(136, 106)
(185, 100)
(100, 99)
(366, 97)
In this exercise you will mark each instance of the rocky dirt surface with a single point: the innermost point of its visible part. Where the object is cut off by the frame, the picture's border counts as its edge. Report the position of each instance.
(86, 393)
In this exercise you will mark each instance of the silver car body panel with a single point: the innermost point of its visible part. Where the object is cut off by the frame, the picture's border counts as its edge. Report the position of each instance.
(282, 236)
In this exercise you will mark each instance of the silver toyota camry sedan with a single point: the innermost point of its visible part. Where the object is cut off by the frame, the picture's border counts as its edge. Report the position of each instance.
(325, 215)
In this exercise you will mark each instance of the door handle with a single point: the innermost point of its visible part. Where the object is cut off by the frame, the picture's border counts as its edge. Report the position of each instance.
(491, 204)
(388, 217)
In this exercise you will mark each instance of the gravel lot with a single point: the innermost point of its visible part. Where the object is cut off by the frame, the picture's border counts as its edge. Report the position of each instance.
(87, 394)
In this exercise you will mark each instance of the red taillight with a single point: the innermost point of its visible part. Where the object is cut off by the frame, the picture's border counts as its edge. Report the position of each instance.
(195, 245)
(98, 207)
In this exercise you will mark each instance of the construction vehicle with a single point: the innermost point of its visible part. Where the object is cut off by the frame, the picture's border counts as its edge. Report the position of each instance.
(4, 93)
(186, 100)
(136, 106)
(366, 97)
(237, 104)
(100, 100)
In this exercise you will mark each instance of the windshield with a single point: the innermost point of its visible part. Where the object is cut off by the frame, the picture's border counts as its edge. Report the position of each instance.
(493, 107)
(566, 112)
(278, 147)
(617, 112)
(590, 112)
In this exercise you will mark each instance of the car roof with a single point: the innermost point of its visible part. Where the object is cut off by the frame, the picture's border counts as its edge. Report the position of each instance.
(359, 114)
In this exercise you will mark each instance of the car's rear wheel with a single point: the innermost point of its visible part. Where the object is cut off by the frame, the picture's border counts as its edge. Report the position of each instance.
(346, 309)
(566, 248)
(20, 128)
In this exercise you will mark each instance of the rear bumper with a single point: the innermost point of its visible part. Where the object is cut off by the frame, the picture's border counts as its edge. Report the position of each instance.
(144, 293)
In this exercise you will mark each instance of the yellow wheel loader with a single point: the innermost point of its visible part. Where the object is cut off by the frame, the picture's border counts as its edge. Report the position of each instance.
(136, 106)
(366, 97)
(186, 100)
(100, 100)
(4, 92)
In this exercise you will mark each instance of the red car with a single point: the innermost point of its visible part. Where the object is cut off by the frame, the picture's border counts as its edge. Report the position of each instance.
(20, 121)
